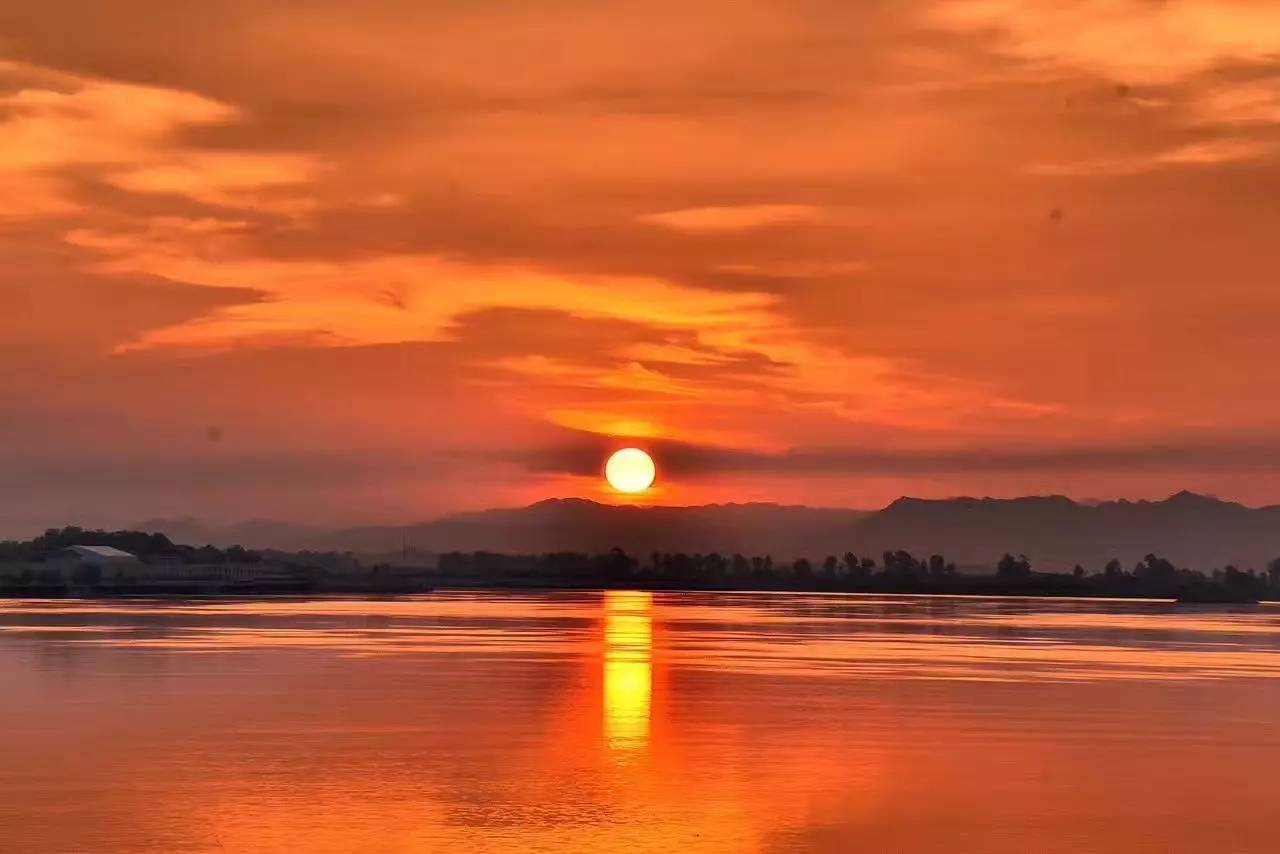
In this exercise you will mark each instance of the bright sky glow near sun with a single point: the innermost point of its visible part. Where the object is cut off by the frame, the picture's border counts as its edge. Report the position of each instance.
(378, 261)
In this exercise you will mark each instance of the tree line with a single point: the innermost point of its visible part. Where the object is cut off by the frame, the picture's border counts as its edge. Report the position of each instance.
(895, 571)
(145, 546)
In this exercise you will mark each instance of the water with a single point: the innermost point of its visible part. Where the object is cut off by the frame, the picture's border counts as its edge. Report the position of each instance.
(636, 722)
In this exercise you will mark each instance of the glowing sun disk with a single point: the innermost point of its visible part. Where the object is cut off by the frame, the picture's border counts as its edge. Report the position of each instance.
(630, 470)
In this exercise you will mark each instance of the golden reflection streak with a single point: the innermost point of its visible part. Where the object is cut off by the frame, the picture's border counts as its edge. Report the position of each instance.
(628, 668)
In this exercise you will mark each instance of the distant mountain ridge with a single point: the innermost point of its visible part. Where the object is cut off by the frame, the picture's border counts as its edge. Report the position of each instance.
(252, 533)
(572, 524)
(1054, 531)
(556, 524)
(1192, 530)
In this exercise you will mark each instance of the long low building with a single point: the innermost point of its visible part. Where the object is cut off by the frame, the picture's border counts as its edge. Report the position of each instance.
(105, 558)
(107, 567)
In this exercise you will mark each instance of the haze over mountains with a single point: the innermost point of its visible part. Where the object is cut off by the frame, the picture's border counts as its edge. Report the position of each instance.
(568, 524)
(1054, 531)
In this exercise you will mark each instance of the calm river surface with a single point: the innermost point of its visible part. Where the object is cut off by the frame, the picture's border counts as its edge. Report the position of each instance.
(635, 722)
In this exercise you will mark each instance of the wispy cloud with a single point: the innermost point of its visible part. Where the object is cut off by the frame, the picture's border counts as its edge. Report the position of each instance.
(1196, 154)
(732, 217)
(1159, 42)
(131, 137)
(231, 179)
(1247, 102)
(798, 269)
(580, 455)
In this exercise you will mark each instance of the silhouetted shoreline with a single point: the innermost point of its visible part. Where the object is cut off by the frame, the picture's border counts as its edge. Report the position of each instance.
(900, 574)
(307, 591)
(72, 562)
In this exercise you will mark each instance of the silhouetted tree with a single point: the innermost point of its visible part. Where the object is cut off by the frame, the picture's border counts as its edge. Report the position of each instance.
(901, 564)
(938, 566)
(859, 570)
(1010, 567)
(1233, 578)
(1155, 568)
(715, 565)
(1273, 572)
(615, 564)
(87, 575)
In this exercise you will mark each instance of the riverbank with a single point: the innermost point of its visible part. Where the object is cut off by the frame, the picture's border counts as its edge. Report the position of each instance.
(1045, 586)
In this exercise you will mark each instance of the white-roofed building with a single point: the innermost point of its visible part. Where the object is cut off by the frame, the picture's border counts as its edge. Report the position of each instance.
(100, 556)
(90, 564)
(90, 570)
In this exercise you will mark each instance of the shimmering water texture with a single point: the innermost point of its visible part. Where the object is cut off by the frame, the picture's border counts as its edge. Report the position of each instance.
(637, 722)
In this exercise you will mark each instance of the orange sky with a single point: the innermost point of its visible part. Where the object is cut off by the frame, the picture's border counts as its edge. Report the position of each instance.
(345, 262)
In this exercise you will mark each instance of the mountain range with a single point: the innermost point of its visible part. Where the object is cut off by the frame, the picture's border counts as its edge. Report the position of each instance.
(1054, 531)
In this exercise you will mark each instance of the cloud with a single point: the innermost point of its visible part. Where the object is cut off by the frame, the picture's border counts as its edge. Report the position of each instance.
(346, 301)
(33, 195)
(97, 122)
(1247, 102)
(728, 352)
(733, 218)
(799, 269)
(1214, 152)
(581, 455)
(791, 231)
(1160, 42)
(130, 137)
(229, 179)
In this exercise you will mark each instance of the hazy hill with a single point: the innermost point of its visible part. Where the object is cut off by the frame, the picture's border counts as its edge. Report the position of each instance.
(1055, 532)
(568, 524)
(253, 533)
(579, 525)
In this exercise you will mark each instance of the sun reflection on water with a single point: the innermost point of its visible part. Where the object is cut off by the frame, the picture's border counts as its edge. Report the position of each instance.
(628, 668)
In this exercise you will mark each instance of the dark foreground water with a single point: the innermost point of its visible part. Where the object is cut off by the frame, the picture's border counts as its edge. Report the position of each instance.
(637, 722)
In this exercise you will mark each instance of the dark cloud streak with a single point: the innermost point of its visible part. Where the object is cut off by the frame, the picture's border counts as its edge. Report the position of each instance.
(584, 453)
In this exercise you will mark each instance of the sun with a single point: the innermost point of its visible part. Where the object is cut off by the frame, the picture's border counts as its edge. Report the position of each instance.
(630, 470)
